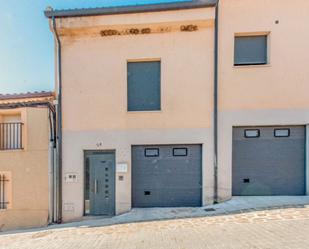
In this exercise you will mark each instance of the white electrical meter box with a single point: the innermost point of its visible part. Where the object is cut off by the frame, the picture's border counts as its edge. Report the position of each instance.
(122, 168)
(70, 178)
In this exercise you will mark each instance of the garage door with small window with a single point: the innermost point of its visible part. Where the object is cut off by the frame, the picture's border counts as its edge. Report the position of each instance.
(268, 161)
(167, 176)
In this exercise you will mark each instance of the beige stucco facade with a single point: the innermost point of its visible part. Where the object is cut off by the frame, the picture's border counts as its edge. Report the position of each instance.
(95, 115)
(272, 94)
(94, 90)
(27, 170)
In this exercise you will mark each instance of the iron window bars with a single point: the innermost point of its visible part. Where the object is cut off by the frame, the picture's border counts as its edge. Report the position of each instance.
(11, 136)
(3, 202)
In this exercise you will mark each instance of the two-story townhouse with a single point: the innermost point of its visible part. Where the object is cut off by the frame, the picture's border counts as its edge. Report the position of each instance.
(137, 106)
(181, 104)
(25, 160)
(263, 97)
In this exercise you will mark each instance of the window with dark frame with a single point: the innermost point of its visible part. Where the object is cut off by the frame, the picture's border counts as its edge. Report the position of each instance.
(282, 132)
(144, 86)
(152, 152)
(250, 50)
(3, 191)
(11, 136)
(252, 133)
(180, 152)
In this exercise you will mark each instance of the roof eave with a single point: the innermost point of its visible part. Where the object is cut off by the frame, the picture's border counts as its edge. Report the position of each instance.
(131, 9)
(33, 95)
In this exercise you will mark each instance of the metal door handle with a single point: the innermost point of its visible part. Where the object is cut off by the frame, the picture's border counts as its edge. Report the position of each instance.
(95, 186)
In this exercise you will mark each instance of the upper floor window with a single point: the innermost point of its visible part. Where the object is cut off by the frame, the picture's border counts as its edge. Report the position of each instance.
(250, 50)
(144, 86)
(10, 132)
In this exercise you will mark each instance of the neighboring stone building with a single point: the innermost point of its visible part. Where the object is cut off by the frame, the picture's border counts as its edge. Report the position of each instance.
(24, 160)
(181, 104)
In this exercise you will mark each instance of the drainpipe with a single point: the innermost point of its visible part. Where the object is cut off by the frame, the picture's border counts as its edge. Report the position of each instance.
(216, 65)
(52, 162)
(58, 180)
(51, 172)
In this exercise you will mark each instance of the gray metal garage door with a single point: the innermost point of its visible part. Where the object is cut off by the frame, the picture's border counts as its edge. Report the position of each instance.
(167, 176)
(269, 161)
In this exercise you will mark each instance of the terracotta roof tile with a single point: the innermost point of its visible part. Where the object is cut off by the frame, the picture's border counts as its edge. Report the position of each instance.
(27, 95)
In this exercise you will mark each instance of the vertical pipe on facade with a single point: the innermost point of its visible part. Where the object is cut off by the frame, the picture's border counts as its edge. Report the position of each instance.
(59, 126)
(51, 172)
(55, 164)
(216, 198)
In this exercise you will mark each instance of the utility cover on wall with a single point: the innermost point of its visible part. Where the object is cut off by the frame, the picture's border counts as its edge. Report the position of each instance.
(122, 168)
(70, 178)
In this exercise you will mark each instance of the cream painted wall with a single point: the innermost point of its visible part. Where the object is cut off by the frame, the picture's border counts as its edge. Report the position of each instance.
(13, 118)
(95, 94)
(29, 172)
(94, 85)
(283, 84)
(274, 94)
(95, 79)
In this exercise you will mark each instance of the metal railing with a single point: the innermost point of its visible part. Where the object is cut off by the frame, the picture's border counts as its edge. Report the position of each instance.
(11, 136)
(3, 201)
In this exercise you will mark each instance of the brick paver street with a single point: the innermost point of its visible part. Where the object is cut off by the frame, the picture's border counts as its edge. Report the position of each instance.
(275, 228)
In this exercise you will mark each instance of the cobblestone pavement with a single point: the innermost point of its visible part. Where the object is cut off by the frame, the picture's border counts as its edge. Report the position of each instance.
(275, 228)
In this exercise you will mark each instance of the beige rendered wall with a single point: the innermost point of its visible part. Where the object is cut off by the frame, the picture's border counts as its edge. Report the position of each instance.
(273, 94)
(28, 169)
(95, 113)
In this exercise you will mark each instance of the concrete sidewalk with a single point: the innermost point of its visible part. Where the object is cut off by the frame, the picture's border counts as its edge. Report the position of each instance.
(234, 206)
(282, 225)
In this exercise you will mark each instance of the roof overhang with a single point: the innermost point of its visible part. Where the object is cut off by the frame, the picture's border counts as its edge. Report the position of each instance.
(25, 95)
(25, 99)
(131, 9)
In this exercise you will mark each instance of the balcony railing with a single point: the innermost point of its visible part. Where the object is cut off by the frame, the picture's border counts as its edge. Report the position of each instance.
(11, 136)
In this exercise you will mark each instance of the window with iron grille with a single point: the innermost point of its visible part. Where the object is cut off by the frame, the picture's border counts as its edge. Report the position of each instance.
(3, 191)
(11, 136)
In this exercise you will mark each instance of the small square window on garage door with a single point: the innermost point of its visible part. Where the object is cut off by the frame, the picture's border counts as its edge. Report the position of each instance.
(180, 152)
(152, 152)
(144, 86)
(252, 133)
(282, 132)
(250, 50)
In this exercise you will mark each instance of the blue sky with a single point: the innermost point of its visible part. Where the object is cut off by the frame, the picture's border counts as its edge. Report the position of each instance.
(26, 44)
